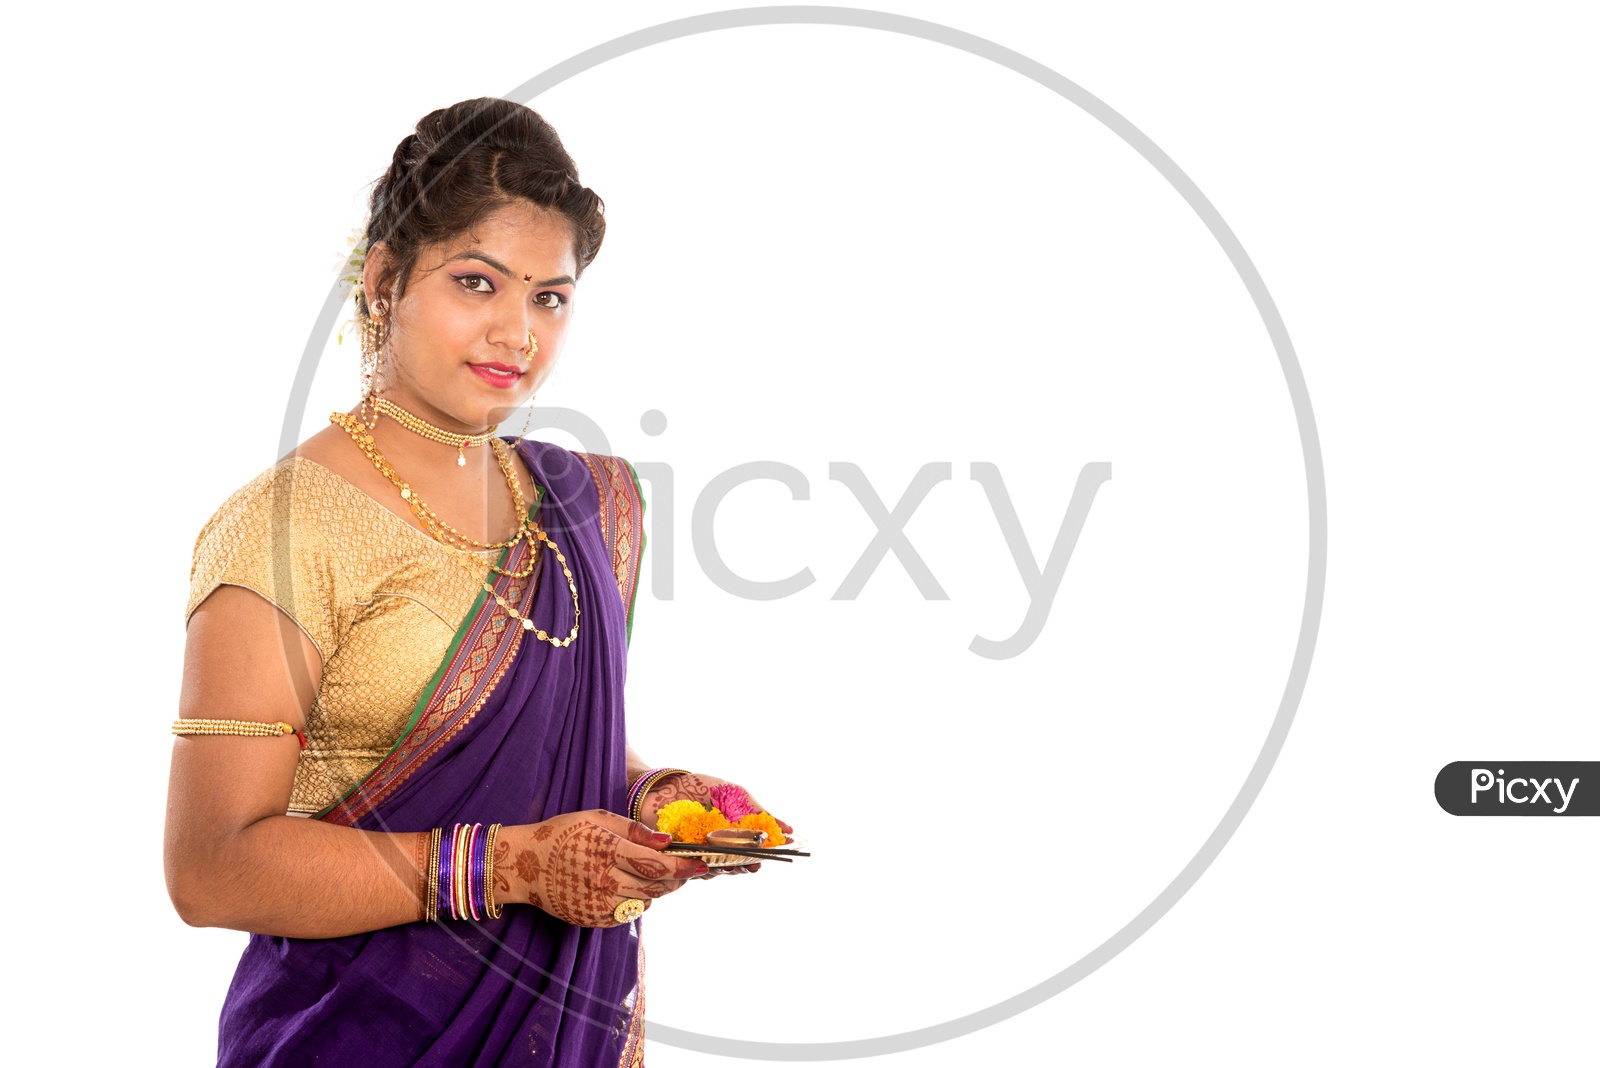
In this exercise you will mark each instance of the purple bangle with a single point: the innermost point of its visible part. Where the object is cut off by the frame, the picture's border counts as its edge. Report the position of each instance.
(480, 884)
(446, 854)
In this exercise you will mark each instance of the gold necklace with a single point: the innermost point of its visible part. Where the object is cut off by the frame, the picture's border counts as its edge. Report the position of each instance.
(441, 530)
(431, 432)
(525, 527)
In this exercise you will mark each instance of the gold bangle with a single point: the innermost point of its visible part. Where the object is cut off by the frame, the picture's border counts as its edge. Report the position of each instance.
(488, 874)
(460, 864)
(431, 905)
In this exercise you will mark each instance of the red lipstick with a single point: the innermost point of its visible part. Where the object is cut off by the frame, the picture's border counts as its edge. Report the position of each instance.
(499, 375)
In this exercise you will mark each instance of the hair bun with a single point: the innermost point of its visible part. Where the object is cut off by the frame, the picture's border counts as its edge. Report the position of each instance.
(465, 161)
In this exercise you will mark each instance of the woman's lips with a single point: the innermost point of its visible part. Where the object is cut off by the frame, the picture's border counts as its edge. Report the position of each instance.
(496, 374)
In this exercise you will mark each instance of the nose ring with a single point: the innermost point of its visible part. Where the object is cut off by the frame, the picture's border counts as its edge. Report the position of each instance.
(533, 344)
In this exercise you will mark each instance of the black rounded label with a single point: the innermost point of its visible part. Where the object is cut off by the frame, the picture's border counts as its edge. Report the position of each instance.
(1519, 788)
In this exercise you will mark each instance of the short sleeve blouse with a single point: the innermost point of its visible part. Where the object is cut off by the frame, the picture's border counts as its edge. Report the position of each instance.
(380, 599)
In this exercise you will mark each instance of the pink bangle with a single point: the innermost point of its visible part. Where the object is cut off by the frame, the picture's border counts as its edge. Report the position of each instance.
(474, 871)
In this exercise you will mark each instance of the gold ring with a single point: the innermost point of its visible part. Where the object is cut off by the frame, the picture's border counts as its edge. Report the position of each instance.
(630, 909)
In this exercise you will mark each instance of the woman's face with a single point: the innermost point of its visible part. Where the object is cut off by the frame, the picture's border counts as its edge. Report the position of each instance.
(457, 351)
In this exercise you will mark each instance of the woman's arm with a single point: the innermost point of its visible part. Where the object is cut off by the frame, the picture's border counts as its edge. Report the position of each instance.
(233, 859)
(636, 767)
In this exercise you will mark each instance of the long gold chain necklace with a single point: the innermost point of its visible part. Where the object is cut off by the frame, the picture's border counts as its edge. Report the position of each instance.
(441, 530)
(525, 527)
(431, 432)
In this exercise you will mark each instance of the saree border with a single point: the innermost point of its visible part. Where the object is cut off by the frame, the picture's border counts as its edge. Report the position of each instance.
(478, 656)
(633, 1045)
(621, 523)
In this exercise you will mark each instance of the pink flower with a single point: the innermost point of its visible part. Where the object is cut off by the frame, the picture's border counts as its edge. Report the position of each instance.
(733, 801)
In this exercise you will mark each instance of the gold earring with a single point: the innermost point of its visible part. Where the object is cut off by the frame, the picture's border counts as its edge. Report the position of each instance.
(372, 359)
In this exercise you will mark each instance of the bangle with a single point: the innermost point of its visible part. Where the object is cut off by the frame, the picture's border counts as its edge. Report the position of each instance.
(461, 872)
(490, 909)
(464, 873)
(642, 786)
(474, 870)
(430, 906)
(458, 872)
(447, 848)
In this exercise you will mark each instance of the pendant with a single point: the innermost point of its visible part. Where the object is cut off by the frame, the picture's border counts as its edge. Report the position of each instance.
(461, 455)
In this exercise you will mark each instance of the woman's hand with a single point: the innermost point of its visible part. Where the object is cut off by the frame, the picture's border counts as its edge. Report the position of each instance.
(580, 866)
(696, 787)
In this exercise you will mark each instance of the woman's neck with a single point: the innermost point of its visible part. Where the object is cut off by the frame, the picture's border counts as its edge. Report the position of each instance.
(416, 456)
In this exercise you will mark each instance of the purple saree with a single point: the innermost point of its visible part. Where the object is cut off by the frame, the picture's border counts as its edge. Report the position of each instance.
(510, 730)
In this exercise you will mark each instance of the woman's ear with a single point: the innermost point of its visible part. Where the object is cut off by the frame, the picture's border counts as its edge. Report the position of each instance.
(373, 269)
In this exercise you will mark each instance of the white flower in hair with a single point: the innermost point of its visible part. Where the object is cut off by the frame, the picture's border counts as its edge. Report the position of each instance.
(350, 268)
(352, 263)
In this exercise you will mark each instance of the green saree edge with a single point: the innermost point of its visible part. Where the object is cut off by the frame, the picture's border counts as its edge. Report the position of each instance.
(427, 691)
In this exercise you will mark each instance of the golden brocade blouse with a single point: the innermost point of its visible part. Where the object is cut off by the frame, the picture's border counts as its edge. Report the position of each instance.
(380, 599)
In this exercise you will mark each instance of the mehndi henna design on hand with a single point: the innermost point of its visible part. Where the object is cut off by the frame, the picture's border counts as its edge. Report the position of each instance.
(649, 867)
(678, 788)
(581, 875)
(688, 786)
(528, 866)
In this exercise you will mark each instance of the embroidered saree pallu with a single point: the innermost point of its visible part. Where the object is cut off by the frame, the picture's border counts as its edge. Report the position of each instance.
(510, 730)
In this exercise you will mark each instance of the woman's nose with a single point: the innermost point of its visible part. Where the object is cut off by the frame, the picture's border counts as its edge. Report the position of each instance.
(513, 332)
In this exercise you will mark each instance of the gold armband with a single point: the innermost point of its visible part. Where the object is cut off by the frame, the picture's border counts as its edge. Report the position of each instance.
(249, 728)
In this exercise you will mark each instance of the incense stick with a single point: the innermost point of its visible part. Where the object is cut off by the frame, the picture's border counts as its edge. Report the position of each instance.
(757, 852)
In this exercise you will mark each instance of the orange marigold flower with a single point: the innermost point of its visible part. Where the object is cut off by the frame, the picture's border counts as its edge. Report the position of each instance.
(764, 821)
(672, 815)
(693, 826)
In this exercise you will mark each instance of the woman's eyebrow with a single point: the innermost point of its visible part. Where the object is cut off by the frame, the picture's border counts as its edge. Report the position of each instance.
(474, 254)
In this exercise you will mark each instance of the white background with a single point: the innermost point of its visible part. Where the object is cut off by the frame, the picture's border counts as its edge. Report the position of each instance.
(831, 244)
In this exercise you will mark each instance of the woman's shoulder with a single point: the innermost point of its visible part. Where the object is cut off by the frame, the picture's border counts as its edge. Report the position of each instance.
(615, 481)
(294, 491)
(269, 536)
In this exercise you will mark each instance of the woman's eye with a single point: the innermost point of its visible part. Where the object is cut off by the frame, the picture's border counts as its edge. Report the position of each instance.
(556, 300)
(475, 283)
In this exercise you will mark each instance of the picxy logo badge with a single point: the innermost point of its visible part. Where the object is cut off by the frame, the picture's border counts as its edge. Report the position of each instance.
(1519, 788)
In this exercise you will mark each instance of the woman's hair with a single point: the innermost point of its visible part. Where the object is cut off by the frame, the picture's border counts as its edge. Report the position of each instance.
(463, 163)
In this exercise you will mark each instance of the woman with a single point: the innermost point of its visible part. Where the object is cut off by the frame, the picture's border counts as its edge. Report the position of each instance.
(395, 710)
